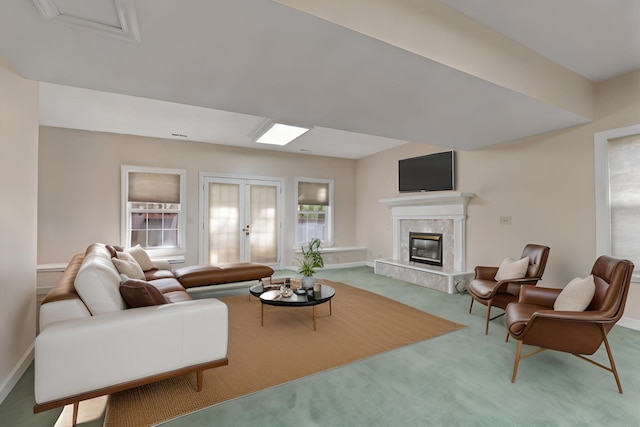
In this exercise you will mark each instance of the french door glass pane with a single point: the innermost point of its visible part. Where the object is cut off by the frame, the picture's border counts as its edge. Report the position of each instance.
(224, 223)
(264, 223)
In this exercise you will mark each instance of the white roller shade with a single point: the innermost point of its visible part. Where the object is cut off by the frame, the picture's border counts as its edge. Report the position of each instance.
(624, 194)
(313, 193)
(154, 187)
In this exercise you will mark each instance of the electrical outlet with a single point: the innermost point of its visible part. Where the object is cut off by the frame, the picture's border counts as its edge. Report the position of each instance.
(505, 220)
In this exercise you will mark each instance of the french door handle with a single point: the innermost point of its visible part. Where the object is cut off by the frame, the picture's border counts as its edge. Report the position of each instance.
(246, 230)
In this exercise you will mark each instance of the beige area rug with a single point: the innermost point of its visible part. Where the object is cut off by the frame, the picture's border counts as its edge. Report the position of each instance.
(362, 324)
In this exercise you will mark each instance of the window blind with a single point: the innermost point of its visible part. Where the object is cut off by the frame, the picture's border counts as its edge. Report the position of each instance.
(154, 187)
(313, 193)
(624, 197)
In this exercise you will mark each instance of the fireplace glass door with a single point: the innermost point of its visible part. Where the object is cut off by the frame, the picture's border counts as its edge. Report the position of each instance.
(425, 248)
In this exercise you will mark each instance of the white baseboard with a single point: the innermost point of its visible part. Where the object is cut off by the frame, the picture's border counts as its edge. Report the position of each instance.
(330, 266)
(630, 323)
(344, 265)
(10, 382)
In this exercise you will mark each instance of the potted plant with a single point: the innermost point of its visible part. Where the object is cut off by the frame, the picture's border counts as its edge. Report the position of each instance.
(311, 260)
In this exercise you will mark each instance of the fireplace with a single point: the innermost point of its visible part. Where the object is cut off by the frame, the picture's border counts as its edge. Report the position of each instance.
(443, 212)
(425, 248)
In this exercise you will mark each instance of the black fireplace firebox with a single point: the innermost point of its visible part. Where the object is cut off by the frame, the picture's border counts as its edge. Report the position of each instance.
(425, 248)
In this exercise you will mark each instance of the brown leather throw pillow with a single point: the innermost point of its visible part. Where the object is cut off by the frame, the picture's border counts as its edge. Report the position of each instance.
(138, 293)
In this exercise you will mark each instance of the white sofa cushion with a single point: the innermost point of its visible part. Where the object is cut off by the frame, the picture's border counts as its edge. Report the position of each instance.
(98, 283)
(141, 257)
(126, 264)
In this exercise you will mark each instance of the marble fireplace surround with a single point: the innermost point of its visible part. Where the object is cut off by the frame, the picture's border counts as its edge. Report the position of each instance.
(441, 212)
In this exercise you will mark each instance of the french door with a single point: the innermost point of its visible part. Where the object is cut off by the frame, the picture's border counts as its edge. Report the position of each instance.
(240, 220)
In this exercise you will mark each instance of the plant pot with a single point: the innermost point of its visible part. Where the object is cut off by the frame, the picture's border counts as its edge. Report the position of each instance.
(308, 281)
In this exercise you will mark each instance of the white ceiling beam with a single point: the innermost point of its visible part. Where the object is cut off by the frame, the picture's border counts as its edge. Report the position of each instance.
(440, 33)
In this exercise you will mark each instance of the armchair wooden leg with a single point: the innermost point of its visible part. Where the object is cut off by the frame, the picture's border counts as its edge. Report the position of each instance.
(613, 369)
(506, 339)
(470, 306)
(519, 357)
(516, 362)
(612, 365)
(486, 328)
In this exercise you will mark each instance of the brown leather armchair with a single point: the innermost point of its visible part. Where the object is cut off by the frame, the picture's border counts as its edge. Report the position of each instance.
(486, 290)
(533, 320)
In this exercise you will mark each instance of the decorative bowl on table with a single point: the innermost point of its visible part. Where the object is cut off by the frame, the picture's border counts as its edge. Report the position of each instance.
(286, 292)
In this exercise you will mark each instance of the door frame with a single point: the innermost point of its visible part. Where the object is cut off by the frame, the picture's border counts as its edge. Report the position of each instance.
(202, 239)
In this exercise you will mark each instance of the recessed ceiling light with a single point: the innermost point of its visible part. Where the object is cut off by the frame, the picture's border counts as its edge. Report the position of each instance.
(281, 134)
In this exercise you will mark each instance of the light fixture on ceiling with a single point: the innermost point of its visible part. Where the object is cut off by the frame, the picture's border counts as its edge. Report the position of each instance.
(280, 134)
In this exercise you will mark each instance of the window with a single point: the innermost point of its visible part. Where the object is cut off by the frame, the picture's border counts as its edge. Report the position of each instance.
(153, 209)
(617, 154)
(314, 210)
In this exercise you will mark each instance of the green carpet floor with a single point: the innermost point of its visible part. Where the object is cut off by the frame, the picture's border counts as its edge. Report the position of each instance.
(459, 379)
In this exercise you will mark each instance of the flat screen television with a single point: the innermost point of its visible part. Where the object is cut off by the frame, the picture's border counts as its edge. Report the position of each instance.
(433, 172)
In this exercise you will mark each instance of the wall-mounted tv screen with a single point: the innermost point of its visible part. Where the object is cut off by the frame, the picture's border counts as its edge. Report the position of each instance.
(433, 172)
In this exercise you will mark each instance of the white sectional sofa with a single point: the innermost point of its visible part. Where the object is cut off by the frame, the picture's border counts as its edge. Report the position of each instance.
(91, 344)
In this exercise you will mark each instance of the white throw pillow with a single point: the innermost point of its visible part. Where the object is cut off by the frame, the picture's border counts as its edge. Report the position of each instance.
(141, 256)
(510, 269)
(127, 265)
(576, 296)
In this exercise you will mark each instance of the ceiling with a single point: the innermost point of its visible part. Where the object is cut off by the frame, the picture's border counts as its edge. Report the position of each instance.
(365, 75)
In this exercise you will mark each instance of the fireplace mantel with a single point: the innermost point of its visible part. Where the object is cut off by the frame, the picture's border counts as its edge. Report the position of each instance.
(424, 212)
(438, 198)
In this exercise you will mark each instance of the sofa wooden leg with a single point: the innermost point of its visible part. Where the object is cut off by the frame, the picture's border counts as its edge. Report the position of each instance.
(199, 380)
(74, 419)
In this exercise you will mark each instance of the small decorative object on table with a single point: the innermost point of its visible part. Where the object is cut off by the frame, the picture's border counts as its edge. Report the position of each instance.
(286, 290)
(311, 260)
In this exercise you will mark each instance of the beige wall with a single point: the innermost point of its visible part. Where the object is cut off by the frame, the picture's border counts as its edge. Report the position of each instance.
(79, 185)
(18, 192)
(545, 183)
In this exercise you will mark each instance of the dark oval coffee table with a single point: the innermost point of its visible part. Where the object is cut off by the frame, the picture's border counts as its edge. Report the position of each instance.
(275, 298)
